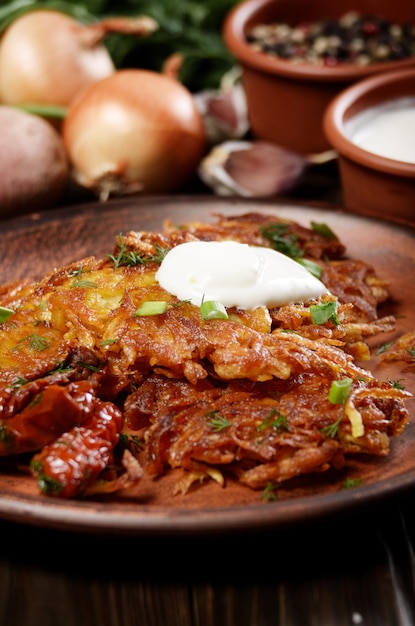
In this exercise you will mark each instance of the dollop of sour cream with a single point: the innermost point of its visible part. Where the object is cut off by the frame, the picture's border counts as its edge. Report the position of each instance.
(236, 274)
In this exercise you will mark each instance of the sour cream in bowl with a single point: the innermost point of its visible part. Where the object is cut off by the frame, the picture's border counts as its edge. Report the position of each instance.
(371, 126)
(386, 129)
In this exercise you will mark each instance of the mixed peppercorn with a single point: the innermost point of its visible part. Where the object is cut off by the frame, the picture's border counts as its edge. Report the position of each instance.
(356, 39)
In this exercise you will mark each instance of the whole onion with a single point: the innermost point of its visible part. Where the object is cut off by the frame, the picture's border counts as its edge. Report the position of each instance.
(33, 163)
(135, 131)
(47, 57)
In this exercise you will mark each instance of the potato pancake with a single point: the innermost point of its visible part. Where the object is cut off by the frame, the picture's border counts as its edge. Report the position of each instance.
(260, 396)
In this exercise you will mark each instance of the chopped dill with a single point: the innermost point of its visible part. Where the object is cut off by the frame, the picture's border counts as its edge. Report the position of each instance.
(6, 437)
(331, 430)
(47, 485)
(89, 366)
(19, 382)
(131, 442)
(396, 384)
(269, 493)
(78, 272)
(384, 347)
(36, 342)
(351, 483)
(131, 258)
(279, 424)
(217, 422)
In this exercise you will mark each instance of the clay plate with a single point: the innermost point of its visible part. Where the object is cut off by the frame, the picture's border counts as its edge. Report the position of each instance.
(34, 244)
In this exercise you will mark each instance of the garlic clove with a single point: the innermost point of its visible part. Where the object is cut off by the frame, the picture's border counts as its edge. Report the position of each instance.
(252, 169)
(224, 111)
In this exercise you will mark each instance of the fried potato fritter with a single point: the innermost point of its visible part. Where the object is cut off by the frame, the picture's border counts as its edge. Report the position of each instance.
(80, 371)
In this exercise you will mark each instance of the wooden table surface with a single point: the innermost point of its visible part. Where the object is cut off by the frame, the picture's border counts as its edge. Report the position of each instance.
(348, 569)
(353, 569)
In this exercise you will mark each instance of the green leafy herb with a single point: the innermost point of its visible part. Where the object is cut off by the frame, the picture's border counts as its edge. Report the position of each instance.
(131, 442)
(19, 382)
(89, 366)
(269, 494)
(36, 342)
(351, 483)
(81, 282)
(192, 29)
(384, 347)
(282, 240)
(131, 257)
(326, 312)
(331, 430)
(36, 400)
(108, 342)
(279, 423)
(323, 230)
(314, 268)
(6, 437)
(217, 422)
(46, 484)
(60, 369)
(396, 384)
(78, 272)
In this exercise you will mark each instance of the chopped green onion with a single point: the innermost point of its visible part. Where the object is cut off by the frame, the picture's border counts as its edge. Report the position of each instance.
(108, 342)
(313, 268)
(339, 390)
(323, 230)
(5, 314)
(322, 313)
(339, 394)
(282, 239)
(212, 310)
(152, 307)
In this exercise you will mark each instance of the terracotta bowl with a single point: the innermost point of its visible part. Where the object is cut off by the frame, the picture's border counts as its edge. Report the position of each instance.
(372, 184)
(286, 101)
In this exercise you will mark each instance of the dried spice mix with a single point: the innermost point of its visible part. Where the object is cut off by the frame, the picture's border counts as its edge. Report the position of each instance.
(353, 38)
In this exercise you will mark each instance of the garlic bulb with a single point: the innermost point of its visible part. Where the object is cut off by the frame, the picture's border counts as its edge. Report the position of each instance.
(251, 169)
